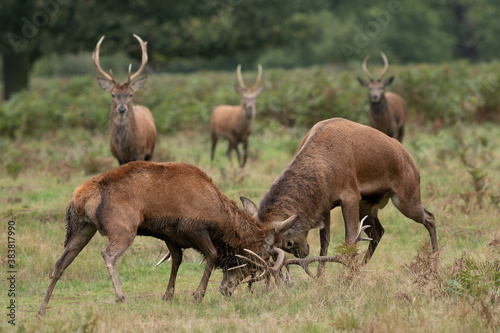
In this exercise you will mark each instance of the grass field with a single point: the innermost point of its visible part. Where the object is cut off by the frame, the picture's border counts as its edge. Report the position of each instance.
(400, 290)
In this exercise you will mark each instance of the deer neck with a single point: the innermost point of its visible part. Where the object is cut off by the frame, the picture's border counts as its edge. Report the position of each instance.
(121, 126)
(379, 109)
(247, 114)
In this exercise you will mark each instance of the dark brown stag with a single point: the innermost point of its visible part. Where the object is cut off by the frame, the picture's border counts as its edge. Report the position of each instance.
(174, 202)
(235, 122)
(342, 163)
(387, 109)
(132, 129)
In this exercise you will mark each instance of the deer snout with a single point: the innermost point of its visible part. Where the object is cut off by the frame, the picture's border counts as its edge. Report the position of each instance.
(122, 109)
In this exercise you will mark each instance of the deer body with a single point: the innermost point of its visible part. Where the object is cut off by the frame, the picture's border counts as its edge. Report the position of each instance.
(234, 123)
(387, 109)
(174, 202)
(342, 163)
(132, 139)
(132, 128)
(389, 115)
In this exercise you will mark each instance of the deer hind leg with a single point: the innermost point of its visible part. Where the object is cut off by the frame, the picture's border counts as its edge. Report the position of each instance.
(116, 246)
(414, 210)
(176, 254)
(324, 239)
(70, 252)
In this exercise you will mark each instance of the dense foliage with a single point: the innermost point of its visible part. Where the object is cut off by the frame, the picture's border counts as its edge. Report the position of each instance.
(437, 94)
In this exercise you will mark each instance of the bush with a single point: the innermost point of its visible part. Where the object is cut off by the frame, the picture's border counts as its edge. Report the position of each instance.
(448, 93)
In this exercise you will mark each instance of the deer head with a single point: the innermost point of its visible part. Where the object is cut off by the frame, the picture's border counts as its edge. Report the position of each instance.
(121, 93)
(249, 95)
(376, 86)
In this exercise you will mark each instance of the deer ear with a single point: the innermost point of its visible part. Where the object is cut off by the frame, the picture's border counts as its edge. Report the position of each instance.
(363, 82)
(105, 84)
(249, 207)
(138, 84)
(388, 81)
(282, 226)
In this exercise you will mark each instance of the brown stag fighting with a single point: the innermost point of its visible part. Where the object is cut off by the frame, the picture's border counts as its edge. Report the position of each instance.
(342, 163)
(174, 202)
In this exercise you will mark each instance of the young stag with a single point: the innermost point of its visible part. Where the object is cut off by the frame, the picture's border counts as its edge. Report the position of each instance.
(387, 109)
(174, 202)
(342, 163)
(235, 122)
(132, 130)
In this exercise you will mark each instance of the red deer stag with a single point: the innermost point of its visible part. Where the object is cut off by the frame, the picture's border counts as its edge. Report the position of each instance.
(132, 129)
(342, 163)
(174, 202)
(387, 109)
(235, 122)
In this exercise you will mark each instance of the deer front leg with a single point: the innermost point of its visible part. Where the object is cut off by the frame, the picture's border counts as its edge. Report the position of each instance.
(324, 239)
(176, 255)
(245, 153)
(207, 247)
(350, 213)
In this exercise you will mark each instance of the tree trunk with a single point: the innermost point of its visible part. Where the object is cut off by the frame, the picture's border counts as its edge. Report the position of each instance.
(15, 73)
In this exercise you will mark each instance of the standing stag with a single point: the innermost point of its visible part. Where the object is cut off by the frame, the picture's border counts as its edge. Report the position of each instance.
(174, 202)
(132, 130)
(387, 109)
(235, 122)
(342, 163)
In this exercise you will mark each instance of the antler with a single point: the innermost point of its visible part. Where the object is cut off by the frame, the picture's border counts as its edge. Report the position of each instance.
(259, 76)
(242, 83)
(386, 64)
(144, 60)
(95, 57)
(240, 78)
(305, 262)
(366, 69)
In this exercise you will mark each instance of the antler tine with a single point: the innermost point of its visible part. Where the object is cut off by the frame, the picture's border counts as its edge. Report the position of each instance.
(257, 256)
(259, 76)
(361, 229)
(366, 69)
(95, 57)
(240, 78)
(144, 60)
(280, 260)
(386, 64)
(304, 262)
(166, 257)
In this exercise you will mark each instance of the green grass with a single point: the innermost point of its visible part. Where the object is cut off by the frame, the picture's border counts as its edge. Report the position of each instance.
(397, 291)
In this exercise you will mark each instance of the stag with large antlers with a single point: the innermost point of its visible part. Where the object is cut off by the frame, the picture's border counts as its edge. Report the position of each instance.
(132, 128)
(235, 122)
(387, 109)
(174, 202)
(342, 163)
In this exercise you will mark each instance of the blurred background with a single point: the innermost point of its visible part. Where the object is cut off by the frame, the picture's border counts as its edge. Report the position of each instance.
(443, 53)
(56, 37)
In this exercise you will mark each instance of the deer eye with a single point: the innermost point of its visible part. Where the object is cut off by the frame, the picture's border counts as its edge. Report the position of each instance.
(130, 95)
(113, 95)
